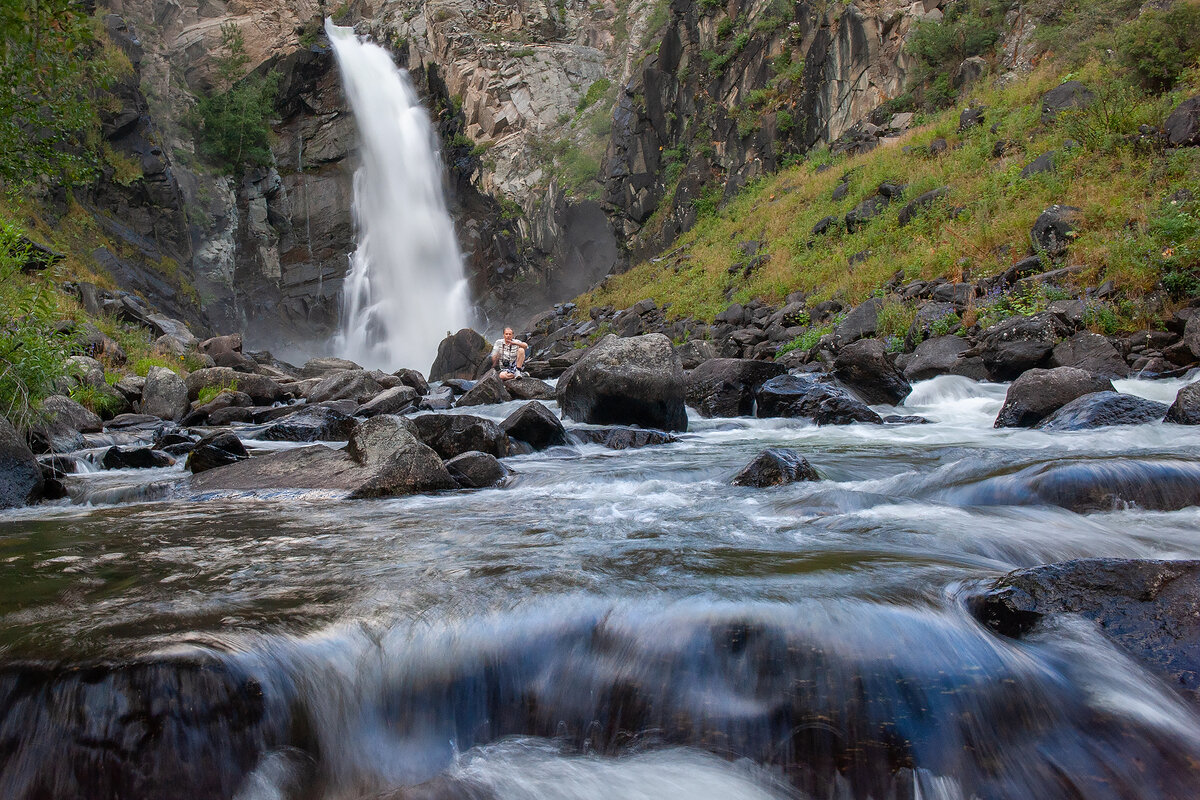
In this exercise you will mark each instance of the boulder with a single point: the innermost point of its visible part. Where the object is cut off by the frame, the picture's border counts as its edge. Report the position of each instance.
(776, 466)
(216, 450)
(310, 424)
(390, 401)
(62, 425)
(807, 397)
(263, 390)
(489, 391)
(454, 434)
(236, 361)
(221, 344)
(535, 425)
(173, 443)
(1043, 163)
(1183, 124)
(413, 378)
(99, 345)
(867, 370)
(320, 367)
(725, 387)
(1069, 94)
(141, 422)
(1102, 409)
(1091, 352)
(461, 355)
(636, 381)
(438, 399)
(865, 211)
(529, 389)
(1054, 229)
(459, 385)
(1150, 609)
(861, 322)
(355, 385)
(134, 458)
(82, 369)
(1191, 335)
(202, 412)
(1040, 392)
(1186, 408)
(1017, 344)
(475, 470)
(374, 441)
(617, 437)
(695, 352)
(131, 387)
(21, 480)
(165, 396)
(920, 203)
(942, 355)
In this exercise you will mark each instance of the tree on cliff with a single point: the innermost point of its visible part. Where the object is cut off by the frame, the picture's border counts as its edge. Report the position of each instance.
(234, 117)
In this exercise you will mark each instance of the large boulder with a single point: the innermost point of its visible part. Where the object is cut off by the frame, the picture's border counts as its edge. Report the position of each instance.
(861, 322)
(396, 400)
(1092, 352)
(205, 412)
(216, 450)
(867, 370)
(489, 391)
(310, 424)
(61, 426)
(1068, 94)
(135, 458)
(776, 466)
(1054, 229)
(320, 367)
(632, 381)
(921, 202)
(263, 390)
(1017, 344)
(807, 397)
(454, 434)
(1040, 392)
(725, 387)
(943, 355)
(1191, 334)
(164, 396)
(439, 399)
(21, 478)
(401, 463)
(474, 470)
(529, 389)
(1186, 408)
(413, 378)
(695, 352)
(1102, 409)
(619, 437)
(461, 355)
(355, 385)
(1183, 124)
(1151, 609)
(533, 424)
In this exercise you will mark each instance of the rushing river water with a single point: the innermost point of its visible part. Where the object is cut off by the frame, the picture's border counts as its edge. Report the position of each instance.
(609, 624)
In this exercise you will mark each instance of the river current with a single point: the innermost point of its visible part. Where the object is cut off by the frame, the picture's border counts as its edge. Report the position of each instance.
(621, 624)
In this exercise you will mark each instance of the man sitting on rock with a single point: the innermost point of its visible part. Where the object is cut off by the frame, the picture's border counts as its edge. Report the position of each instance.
(508, 356)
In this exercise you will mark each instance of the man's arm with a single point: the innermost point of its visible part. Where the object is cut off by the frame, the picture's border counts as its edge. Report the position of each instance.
(495, 354)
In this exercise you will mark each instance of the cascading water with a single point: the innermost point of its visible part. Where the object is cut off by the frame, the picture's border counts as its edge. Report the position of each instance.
(405, 288)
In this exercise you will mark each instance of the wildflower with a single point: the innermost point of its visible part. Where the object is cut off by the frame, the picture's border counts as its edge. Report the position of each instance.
(1169, 252)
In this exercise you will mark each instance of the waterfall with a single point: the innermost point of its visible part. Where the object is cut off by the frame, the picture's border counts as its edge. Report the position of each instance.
(405, 288)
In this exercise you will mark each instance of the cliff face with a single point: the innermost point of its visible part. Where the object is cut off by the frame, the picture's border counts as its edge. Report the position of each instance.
(576, 135)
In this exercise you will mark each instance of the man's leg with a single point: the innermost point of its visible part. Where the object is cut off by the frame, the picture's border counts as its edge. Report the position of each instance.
(520, 358)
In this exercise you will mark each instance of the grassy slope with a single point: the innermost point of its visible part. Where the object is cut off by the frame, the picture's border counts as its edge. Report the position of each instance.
(1113, 181)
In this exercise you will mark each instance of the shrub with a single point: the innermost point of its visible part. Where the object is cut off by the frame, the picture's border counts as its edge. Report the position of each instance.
(234, 120)
(93, 399)
(1159, 45)
(209, 393)
(594, 93)
(805, 341)
(895, 318)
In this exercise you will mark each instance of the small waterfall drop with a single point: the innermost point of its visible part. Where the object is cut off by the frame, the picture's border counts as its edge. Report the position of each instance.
(405, 287)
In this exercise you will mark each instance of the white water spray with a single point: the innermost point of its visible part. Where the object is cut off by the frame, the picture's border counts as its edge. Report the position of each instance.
(405, 288)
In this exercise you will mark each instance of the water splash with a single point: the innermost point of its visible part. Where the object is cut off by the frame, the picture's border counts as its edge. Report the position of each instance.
(405, 287)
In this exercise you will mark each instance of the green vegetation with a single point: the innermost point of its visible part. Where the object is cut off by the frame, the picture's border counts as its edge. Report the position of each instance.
(596, 91)
(209, 393)
(805, 341)
(94, 399)
(970, 28)
(234, 118)
(1160, 44)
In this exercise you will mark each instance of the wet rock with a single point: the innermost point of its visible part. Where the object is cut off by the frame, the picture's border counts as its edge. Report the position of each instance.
(776, 466)
(1191, 335)
(134, 458)
(128, 422)
(489, 391)
(1069, 94)
(943, 355)
(1183, 124)
(475, 470)
(310, 424)
(1101, 409)
(227, 399)
(1040, 392)
(1054, 229)
(458, 385)
(1186, 408)
(695, 352)
(638, 381)
(861, 322)
(401, 464)
(396, 400)
(320, 367)
(216, 450)
(1017, 344)
(1091, 352)
(1151, 609)
(865, 368)
(229, 415)
(909, 419)
(618, 437)
(356, 385)
(454, 434)
(725, 387)
(529, 389)
(413, 378)
(263, 390)
(807, 397)
(461, 355)
(438, 399)
(21, 480)
(920, 203)
(62, 425)
(535, 425)
(165, 396)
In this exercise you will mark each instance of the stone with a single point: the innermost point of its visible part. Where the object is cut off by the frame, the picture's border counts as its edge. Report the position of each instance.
(1092, 352)
(1102, 409)
(725, 387)
(216, 450)
(413, 378)
(396, 400)
(1069, 94)
(1038, 393)
(695, 352)
(1017, 344)
(134, 458)
(320, 367)
(865, 368)
(165, 396)
(618, 437)
(865, 211)
(452, 435)
(356, 385)
(238, 362)
(920, 203)
(942, 355)
(929, 315)
(938, 146)
(131, 386)
(1185, 410)
(529, 389)
(861, 322)
(263, 390)
(221, 344)
(1043, 163)
(1191, 335)
(825, 225)
(475, 470)
(535, 425)
(61, 426)
(806, 397)
(1054, 230)
(125, 422)
(633, 381)
(966, 73)
(439, 399)
(489, 391)
(1183, 124)
(776, 466)
(458, 385)
(310, 424)
(461, 355)
(21, 479)
(200, 412)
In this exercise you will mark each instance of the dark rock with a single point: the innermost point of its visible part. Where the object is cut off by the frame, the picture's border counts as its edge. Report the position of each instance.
(461, 355)
(941, 355)
(263, 390)
(824, 226)
(164, 396)
(310, 424)
(865, 211)
(374, 441)
(238, 362)
(62, 425)
(966, 73)
(1070, 94)
(1183, 124)
(776, 466)
(1191, 335)
(203, 411)
(1040, 392)
(1102, 409)
(938, 146)
(438, 400)
(921, 202)
(806, 397)
(1151, 609)
(320, 367)
(840, 191)
(861, 322)
(21, 480)
(216, 450)
(1017, 344)
(489, 391)
(1054, 229)
(1186, 408)
(454, 434)
(695, 352)
(1000, 147)
(413, 378)
(356, 385)
(396, 400)
(135, 458)
(535, 425)
(621, 438)
(725, 387)
(475, 470)
(909, 419)
(1043, 163)
(636, 381)
(929, 314)
(1091, 352)
(229, 415)
(865, 368)
(459, 385)
(221, 344)
(125, 422)
(529, 389)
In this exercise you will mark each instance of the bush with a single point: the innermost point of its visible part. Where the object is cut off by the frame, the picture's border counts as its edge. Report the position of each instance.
(594, 93)
(970, 28)
(1159, 45)
(895, 318)
(234, 120)
(805, 341)
(93, 399)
